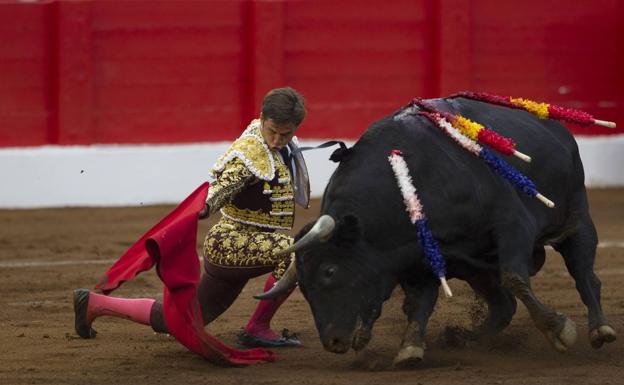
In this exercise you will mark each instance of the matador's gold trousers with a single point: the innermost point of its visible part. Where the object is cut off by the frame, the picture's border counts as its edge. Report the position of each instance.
(233, 244)
(233, 254)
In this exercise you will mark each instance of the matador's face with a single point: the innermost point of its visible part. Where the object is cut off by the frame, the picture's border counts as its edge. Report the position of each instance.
(276, 135)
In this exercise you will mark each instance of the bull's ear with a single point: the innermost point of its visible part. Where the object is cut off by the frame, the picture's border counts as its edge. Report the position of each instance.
(349, 230)
(340, 154)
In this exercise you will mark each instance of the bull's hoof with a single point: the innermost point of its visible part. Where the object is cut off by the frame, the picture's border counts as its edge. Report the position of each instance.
(598, 336)
(565, 338)
(408, 356)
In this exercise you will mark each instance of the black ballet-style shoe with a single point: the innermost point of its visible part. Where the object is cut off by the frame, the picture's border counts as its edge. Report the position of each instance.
(286, 340)
(81, 304)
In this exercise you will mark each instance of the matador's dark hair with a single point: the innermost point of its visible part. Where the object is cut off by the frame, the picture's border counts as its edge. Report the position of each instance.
(284, 105)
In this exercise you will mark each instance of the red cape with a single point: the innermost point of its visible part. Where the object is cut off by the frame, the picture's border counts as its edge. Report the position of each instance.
(171, 245)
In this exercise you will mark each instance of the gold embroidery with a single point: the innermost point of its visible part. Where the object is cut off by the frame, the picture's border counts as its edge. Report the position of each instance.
(280, 197)
(233, 179)
(248, 157)
(257, 218)
(229, 243)
(251, 149)
(283, 206)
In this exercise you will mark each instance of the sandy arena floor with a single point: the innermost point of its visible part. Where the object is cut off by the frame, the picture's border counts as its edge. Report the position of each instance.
(45, 254)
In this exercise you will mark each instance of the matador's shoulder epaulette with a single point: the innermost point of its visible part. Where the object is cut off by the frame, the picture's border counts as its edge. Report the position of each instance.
(252, 150)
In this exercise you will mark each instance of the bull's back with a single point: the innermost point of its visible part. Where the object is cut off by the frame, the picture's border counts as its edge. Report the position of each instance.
(556, 167)
(461, 194)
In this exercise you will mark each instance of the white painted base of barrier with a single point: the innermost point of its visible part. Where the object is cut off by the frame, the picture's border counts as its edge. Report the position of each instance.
(121, 175)
(603, 160)
(105, 175)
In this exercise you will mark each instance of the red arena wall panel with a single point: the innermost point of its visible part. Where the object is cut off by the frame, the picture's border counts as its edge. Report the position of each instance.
(165, 72)
(25, 77)
(563, 53)
(356, 62)
(84, 72)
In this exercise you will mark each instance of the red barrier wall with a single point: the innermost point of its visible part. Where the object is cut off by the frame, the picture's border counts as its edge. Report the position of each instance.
(84, 72)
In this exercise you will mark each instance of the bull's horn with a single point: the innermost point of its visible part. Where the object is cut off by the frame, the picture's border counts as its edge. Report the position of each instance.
(287, 282)
(320, 232)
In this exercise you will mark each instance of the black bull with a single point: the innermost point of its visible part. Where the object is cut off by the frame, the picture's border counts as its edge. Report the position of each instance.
(491, 235)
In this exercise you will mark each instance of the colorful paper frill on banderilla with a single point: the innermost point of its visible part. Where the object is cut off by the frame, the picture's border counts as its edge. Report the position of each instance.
(498, 165)
(541, 110)
(417, 216)
(475, 131)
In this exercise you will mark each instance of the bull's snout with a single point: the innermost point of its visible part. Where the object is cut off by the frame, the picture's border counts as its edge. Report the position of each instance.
(340, 342)
(336, 339)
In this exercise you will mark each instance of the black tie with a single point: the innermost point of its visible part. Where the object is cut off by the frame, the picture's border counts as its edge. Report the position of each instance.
(287, 158)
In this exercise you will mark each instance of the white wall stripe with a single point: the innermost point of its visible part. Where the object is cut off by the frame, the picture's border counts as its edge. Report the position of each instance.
(599, 273)
(8, 264)
(604, 245)
(611, 244)
(123, 175)
(5, 264)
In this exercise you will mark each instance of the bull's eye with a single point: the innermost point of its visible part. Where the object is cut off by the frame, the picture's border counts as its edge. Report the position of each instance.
(327, 274)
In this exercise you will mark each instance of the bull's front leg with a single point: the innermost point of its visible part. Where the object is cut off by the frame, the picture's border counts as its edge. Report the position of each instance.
(501, 303)
(418, 305)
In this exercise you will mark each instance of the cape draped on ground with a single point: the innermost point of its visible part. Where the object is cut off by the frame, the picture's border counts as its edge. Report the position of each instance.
(171, 245)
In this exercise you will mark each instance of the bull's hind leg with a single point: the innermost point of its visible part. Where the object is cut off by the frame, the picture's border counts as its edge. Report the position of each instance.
(558, 329)
(501, 303)
(515, 247)
(578, 252)
(418, 306)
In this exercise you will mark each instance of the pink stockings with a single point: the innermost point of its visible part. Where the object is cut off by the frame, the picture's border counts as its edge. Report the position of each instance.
(137, 310)
(259, 324)
(218, 288)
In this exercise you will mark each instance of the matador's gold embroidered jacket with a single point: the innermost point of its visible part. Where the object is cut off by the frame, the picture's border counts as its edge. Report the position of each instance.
(252, 184)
